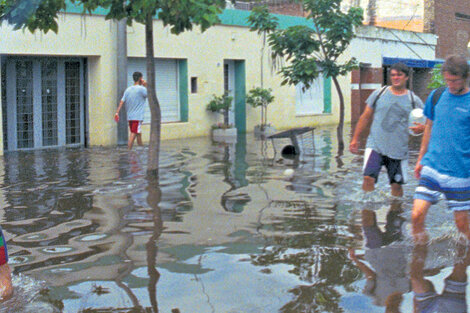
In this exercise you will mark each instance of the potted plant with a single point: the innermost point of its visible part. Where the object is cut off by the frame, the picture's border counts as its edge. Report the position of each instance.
(222, 105)
(261, 97)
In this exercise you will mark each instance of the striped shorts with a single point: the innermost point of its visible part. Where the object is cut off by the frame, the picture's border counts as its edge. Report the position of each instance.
(433, 184)
(3, 249)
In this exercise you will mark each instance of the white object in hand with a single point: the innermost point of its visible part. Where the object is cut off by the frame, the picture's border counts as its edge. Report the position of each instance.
(416, 116)
(289, 173)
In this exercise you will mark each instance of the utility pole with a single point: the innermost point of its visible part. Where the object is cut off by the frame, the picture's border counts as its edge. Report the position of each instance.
(121, 71)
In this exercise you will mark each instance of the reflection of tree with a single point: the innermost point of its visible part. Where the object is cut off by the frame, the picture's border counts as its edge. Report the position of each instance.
(324, 267)
(316, 257)
(153, 199)
(315, 298)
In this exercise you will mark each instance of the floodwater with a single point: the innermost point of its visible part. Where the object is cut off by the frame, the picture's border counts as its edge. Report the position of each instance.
(225, 229)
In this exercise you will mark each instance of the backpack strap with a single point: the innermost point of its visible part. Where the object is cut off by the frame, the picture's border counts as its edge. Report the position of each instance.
(436, 96)
(378, 96)
(412, 98)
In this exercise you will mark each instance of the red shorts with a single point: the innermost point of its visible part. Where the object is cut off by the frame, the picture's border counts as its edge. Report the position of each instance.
(3, 249)
(135, 126)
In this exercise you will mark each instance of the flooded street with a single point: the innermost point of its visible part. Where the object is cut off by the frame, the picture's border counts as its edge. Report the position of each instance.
(225, 229)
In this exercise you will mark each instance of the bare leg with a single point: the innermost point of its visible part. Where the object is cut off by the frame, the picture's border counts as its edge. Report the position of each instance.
(418, 216)
(368, 184)
(368, 218)
(397, 190)
(462, 221)
(131, 141)
(139, 139)
(396, 205)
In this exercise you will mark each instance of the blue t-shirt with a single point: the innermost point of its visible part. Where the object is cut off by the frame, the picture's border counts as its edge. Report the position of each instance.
(135, 99)
(449, 147)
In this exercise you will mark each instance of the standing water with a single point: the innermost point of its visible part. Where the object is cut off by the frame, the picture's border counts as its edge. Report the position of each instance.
(226, 228)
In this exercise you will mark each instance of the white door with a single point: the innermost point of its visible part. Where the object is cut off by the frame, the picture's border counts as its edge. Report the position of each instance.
(229, 86)
(166, 83)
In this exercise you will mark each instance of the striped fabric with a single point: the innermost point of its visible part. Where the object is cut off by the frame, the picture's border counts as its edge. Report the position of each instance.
(3, 249)
(433, 184)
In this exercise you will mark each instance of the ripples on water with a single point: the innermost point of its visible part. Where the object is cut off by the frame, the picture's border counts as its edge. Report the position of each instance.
(224, 229)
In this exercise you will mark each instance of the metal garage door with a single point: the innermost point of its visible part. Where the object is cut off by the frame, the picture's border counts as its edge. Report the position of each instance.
(166, 77)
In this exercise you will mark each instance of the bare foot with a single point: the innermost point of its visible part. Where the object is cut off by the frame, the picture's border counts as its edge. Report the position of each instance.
(6, 288)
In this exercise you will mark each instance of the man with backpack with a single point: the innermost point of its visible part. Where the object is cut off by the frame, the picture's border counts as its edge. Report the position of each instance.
(388, 110)
(443, 165)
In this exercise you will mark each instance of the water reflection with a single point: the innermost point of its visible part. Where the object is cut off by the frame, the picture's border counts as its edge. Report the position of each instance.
(235, 175)
(153, 199)
(6, 288)
(452, 298)
(66, 225)
(384, 263)
(221, 230)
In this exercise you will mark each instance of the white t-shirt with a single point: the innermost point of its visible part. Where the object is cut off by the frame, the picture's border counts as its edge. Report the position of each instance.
(134, 98)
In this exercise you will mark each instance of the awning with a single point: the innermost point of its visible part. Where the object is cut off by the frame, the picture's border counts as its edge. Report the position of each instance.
(412, 62)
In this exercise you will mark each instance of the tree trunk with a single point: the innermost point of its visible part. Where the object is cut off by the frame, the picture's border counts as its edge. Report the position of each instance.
(262, 61)
(155, 112)
(226, 119)
(263, 113)
(262, 117)
(339, 130)
(265, 122)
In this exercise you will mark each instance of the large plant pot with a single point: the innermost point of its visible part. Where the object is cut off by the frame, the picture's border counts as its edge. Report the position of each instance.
(263, 133)
(224, 135)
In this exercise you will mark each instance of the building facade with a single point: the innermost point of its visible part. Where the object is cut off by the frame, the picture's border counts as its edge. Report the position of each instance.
(450, 21)
(376, 48)
(62, 89)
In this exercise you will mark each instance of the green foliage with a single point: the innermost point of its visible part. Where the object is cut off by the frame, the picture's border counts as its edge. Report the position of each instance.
(220, 104)
(257, 97)
(182, 14)
(260, 97)
(179, 15)
(261, 21)
(33, 14)
(437, 80)
(312, 50)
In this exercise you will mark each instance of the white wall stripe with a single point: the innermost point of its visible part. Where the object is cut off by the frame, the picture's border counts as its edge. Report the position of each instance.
(365, 86)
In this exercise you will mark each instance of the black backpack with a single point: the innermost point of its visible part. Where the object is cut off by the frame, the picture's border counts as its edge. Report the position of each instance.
(436, 96)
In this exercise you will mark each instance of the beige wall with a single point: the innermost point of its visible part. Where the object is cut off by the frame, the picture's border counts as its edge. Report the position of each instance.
(205, 53)
(94, 38)
(89, 36)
